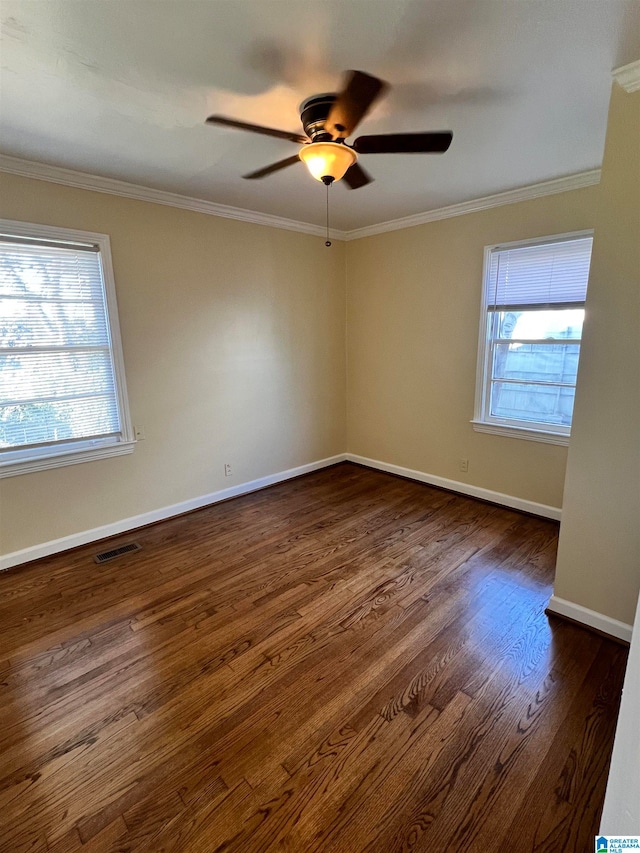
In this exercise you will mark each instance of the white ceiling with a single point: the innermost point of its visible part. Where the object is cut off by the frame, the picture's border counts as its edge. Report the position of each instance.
(122, 89)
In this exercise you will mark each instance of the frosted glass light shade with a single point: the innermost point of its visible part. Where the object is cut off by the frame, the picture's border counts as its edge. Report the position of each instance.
(327, 159)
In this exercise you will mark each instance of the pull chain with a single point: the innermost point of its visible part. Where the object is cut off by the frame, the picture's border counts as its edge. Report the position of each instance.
(327, 241)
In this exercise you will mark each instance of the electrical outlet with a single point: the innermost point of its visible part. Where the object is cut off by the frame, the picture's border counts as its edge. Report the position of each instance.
(227, 470)
(139, 431)
(464, 465)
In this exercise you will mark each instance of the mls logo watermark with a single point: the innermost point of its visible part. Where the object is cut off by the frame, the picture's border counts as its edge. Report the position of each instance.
(616, 843)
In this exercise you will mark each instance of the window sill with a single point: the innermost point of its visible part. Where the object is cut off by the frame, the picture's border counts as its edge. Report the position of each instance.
(57, 459)
(528, 434)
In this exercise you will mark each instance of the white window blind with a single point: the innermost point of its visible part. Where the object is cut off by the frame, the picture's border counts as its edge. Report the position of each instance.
(546, 274)
(58, 382)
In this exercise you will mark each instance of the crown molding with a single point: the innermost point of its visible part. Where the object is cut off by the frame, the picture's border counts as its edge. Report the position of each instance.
(98, 183)
(628, 76)
(557, 185)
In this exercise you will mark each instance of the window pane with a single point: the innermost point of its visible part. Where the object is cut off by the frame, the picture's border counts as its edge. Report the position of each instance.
(62, 391)
(28, 376)
(56, 396)
(51, 421)
(536, 362)
(560, 324)
(27, 323)
(534, 294)
(44, 272)
(544, 404)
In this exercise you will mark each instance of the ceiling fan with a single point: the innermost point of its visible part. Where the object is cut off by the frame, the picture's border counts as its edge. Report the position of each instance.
(328, 121)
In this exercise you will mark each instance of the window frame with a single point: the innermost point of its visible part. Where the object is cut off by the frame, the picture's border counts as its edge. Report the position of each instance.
(510, 427)
(30, 459)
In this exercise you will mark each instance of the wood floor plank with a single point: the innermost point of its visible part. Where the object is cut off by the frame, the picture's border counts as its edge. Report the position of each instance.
(375, 786)
(572, 777)
(341, 663)
(496, 777)
(204, 823)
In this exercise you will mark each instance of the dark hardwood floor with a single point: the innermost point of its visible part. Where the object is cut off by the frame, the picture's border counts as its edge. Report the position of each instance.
(343, 663)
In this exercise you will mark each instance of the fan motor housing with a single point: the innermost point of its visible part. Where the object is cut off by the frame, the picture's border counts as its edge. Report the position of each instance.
(314, 113)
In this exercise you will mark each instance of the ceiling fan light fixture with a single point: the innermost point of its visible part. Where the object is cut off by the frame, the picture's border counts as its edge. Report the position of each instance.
(327, 161)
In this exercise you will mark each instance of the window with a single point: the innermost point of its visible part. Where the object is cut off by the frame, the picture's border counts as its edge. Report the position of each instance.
(62, 385)
(530, 331)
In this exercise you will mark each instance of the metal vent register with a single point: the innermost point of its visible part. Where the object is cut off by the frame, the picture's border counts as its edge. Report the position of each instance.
(104, 556)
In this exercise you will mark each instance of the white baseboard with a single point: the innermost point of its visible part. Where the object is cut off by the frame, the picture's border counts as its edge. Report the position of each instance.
(463, 488)
(556, 605)
(54, 546)
(590, 618)
(105, 531)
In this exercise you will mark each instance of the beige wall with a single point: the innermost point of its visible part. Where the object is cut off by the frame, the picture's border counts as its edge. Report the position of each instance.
(233, 340)
(234, 351)
(413, 307)
(599, 552)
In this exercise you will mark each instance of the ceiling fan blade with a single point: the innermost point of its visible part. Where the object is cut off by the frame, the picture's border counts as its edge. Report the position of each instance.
(353, 103)
(356, 177)
(404, 143)
(257, 128)
(274, 167)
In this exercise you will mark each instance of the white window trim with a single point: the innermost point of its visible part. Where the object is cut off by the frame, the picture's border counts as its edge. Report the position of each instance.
(508, 428)
(82, 450)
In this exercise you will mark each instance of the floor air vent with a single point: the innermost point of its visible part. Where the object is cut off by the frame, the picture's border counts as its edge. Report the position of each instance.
(116, 552)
